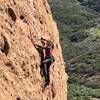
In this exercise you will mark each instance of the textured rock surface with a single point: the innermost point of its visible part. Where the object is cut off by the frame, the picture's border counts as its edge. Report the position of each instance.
(22, 23)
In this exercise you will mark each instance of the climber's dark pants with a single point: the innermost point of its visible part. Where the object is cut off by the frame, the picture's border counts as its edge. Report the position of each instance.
(46, 70)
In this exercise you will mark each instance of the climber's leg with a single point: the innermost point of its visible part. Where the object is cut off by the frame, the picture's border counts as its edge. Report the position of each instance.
(45, 71)
(47, 64)
(42, 69)
(48, 73)
(46, 61)
(49, 60)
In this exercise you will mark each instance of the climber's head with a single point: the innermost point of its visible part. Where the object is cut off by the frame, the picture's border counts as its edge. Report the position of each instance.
(49, 43)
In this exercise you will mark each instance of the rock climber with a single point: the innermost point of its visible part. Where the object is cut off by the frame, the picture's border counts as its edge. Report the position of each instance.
(48, 58)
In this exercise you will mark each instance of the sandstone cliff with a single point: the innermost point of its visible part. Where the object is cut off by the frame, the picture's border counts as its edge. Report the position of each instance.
(22, 23)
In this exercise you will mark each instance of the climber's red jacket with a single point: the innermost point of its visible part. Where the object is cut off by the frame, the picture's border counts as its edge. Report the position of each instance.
(48, 51)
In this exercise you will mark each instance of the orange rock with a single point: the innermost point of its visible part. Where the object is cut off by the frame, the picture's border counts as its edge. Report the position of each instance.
(23, 23)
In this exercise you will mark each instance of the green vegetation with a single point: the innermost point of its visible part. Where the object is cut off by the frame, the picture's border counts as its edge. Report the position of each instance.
(81, 92)
(79, 25)
(95, 33)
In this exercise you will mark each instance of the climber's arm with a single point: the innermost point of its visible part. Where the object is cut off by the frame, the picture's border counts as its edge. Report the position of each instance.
(43, 47)
(44, 39)
(39, 46)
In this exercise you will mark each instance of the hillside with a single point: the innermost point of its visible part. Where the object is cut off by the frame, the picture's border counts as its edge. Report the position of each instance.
(79, 26)
(22, 24)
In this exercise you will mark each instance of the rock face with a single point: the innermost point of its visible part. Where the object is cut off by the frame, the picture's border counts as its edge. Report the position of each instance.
(22, 23)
